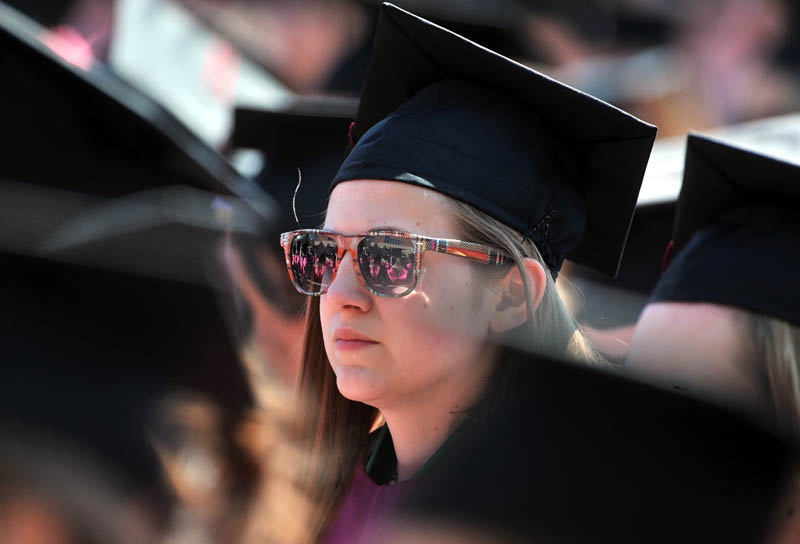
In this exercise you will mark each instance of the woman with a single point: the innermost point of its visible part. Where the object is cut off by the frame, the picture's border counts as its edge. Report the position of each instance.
(724, 321)
(458, 152)
(728, 297)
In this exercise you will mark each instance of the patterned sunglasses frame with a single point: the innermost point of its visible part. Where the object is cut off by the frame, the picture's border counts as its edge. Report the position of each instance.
(349, 243)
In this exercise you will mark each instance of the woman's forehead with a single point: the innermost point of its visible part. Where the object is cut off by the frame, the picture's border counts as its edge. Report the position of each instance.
(363, 205)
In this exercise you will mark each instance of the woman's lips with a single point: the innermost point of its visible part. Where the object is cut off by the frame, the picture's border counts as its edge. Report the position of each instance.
(347, 345)
(349, 339)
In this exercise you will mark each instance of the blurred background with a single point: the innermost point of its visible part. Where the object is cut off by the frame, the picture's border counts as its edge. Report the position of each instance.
(151, 152)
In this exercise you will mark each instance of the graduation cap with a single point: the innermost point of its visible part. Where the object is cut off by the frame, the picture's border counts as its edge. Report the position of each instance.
(580, 455)
(442, 112)
(308, 134)
(606, 302)
(315, 120)
(736, 231)
(303, 143)
(46, 13)
(89, 131)
(87, 351)
(107, 229)
(107, 306)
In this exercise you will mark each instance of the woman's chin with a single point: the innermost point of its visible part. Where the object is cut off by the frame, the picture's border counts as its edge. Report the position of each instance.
(358, 384)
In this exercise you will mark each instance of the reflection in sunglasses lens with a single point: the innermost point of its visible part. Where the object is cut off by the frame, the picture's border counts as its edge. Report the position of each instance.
(387, 264)
(313, 261)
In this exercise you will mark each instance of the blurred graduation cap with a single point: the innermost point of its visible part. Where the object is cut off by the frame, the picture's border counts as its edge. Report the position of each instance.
(76, 139)
(107, 305)
(559, 166)
(305, 121)
(87, 351)
(111, 210)
(581, 455)
(653, 223)
(652, 227)
(303, 143)
(308, 134)
(45, 13)
(736, 231)
(88, 131)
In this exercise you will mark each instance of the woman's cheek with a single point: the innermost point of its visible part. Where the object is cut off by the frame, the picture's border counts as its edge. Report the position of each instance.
(431, 334)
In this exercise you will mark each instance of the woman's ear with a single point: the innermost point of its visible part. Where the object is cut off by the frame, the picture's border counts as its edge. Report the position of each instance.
(511, 310)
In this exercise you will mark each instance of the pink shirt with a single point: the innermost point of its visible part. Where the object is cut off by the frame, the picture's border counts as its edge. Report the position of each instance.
(365, 511)
(368, 506)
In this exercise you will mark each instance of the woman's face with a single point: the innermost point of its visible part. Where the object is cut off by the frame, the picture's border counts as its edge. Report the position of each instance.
(386, 351)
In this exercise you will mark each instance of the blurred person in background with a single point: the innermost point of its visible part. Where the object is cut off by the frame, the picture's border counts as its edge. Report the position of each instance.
(55, 491)
(80, 29)
(727, 65)
(684, 65)
(109, 302)
(310, 45)
(723, 321)
(323, 46)
(455, 155)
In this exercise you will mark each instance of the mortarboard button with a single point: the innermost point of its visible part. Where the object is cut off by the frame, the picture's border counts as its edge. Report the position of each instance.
(667, 258)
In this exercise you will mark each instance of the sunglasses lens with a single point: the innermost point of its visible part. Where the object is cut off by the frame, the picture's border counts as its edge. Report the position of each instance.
(313, 261)
(387, 264)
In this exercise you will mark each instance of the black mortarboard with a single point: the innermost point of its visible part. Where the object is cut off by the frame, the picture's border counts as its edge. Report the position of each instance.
(439, 111)
(105, 305)
(86, 351)
(574, 454)
(107, 232)
(607, 302)
(89, 131)
(736, 233)
(304, 139)
(309, 134)
(313, 121)
(45, 13)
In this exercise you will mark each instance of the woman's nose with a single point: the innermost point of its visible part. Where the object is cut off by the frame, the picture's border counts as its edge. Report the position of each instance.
(346, 290)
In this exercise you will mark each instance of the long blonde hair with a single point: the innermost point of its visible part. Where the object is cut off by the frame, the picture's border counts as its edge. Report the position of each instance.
(776, 346)
(336, 430)
(550, 328)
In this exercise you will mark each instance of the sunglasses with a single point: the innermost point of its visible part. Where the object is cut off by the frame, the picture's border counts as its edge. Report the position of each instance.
(387, 262)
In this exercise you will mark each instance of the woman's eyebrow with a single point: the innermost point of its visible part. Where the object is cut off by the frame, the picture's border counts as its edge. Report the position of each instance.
(374, 229)
(387, 227)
